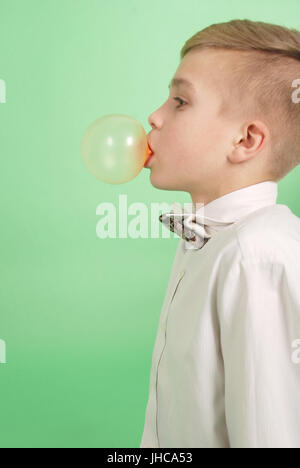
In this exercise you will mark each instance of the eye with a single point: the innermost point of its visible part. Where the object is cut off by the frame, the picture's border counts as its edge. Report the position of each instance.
(181, 102)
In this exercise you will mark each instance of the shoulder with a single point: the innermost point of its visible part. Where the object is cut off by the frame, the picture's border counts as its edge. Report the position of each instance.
(263, 239)
(262, 254)
(269, 234)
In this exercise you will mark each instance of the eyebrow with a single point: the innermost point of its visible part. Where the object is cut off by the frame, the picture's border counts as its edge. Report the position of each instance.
(176, 82)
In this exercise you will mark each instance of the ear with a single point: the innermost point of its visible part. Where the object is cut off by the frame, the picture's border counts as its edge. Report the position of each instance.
(253, 138)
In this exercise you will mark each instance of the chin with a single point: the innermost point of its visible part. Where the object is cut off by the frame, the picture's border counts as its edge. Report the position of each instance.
(163, 184)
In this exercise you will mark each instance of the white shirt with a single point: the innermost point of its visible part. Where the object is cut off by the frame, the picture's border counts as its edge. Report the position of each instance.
(226, 360)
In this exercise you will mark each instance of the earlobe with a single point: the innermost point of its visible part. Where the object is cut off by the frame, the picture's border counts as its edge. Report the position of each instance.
(237, 155)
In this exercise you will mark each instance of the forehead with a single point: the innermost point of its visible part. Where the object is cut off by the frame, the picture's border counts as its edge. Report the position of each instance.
(181, 82)
(208, 72)
(203, 68)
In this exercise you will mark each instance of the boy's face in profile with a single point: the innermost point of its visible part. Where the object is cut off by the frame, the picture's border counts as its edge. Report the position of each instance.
(191, 142)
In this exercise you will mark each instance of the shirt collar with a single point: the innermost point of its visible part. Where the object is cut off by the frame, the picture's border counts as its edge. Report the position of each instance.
(232, 206)
(196, 226)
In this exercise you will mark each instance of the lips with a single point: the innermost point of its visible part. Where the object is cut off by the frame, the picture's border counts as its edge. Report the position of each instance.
(150, 150)
(150, 154)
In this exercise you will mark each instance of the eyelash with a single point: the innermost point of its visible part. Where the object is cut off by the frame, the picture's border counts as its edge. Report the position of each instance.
(180, 101)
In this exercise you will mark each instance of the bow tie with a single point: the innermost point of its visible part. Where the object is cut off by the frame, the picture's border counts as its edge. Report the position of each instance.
(195, 228)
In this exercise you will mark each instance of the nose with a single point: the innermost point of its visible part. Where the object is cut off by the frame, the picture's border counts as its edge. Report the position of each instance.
(151, 120)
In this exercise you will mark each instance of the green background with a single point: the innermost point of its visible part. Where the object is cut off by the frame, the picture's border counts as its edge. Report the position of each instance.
(79, 314)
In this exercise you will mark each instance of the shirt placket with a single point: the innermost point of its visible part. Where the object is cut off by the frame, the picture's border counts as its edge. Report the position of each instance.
(164, 329)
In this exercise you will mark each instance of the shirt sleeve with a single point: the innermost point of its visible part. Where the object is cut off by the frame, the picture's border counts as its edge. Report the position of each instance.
(258, 306)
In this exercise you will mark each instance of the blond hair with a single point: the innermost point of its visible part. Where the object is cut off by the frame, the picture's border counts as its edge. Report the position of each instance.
(267, 65)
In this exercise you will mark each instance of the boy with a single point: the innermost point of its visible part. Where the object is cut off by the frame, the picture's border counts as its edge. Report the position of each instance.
(226, 361)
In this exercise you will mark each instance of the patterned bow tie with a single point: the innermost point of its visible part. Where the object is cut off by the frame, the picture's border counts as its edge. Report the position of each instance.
(195, 228)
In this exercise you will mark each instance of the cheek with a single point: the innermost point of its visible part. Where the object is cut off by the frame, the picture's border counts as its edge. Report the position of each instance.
(193, 134)
(183, 138)
(208, 135)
